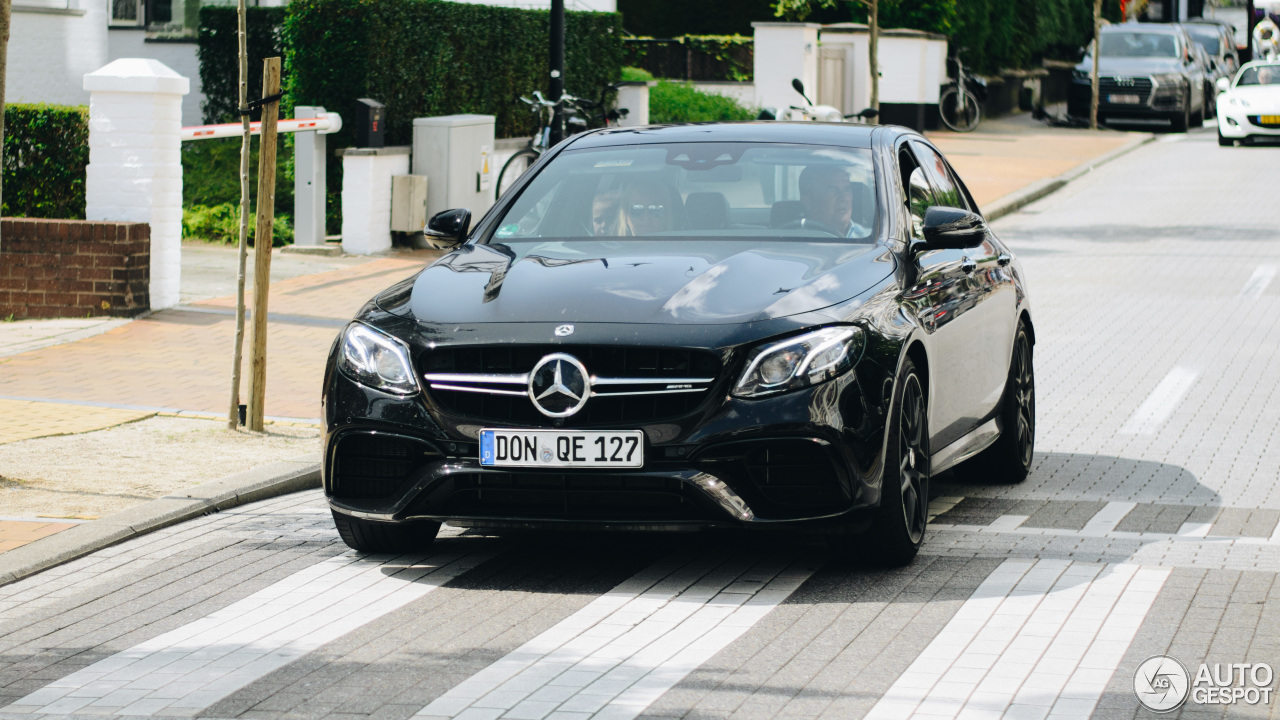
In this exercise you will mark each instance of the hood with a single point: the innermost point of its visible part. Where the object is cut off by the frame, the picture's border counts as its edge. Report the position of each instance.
(651, 281)
(1132, 67)
(1262, 99)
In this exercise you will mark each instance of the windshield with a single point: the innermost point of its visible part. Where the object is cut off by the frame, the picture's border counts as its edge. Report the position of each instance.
(1207, 38)
(1260, 75)
(1139, 45)
(699, 190)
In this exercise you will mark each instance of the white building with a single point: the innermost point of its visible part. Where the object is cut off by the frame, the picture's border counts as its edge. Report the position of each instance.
(54, 43)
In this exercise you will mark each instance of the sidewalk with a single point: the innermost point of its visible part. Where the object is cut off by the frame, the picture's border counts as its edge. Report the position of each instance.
(167, 375)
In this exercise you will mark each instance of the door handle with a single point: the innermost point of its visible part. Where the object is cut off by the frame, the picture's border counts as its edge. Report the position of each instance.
(1004, 259)
(968, 265)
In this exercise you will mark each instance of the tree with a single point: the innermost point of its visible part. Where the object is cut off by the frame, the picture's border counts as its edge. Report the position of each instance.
(5, 7)
(800, 9)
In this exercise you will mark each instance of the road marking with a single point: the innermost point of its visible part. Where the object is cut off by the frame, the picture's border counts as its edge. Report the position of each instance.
(1161, 403)
(1258, 281)
(1107, 518)
(1007, 522)
(620, 653)
(194, 666)
(1036, 639)
(1195, 529)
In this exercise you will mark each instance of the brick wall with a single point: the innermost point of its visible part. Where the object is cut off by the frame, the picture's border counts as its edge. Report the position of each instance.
(73, 268)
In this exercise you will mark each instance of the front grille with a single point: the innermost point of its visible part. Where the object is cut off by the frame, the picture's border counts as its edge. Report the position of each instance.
(370, 466)
(1256, 120)
(553, 496)
(1139, 86)
(489, 384)
(797, 477)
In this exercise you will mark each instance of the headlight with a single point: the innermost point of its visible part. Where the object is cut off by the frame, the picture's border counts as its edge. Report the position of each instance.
(800, 361)
(1169, 79)
(376, 359)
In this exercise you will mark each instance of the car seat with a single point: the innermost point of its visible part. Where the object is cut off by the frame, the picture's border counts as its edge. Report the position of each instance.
(706, 210)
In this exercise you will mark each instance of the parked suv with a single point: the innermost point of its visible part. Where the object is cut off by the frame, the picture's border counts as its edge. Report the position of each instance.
(1146, 71)
(1219, 40)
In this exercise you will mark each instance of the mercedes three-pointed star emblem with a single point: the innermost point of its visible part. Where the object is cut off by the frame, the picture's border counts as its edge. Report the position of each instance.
(559, 385)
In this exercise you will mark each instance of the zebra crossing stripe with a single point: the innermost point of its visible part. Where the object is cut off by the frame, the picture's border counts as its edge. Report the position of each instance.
(194, 666)
(1037, 639)
(621, 652)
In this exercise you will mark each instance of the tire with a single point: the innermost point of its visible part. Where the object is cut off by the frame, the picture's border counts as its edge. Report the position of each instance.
(1182, 120)
(1224, 141)
(1202, 115)
(959, 110)
(1211, 104)
(1008, 459)
(515, 166)
(379, 537)
(898, 528)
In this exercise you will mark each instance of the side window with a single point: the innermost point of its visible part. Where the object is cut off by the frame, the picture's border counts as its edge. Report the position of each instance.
(945, 192)
(919, 196)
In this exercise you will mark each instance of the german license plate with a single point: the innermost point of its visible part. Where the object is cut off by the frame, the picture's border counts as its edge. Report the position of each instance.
(562, 448)
(1124, 99)
(1269, 119)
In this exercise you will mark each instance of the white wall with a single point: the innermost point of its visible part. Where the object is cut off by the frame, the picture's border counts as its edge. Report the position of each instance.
(50, 52)
(180, 56)
(912, 64)
(784, 51)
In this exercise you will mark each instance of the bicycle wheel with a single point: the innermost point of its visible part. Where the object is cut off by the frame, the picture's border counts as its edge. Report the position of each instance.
(959, 110)
(514, 168)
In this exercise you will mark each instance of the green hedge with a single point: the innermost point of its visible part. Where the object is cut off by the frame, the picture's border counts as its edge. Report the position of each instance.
(425, 58)
(46, 149)
(219, 53)
(674, 102)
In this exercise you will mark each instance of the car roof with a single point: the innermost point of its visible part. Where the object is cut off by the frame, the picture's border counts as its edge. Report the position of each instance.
(1261, 63)
(854, 135)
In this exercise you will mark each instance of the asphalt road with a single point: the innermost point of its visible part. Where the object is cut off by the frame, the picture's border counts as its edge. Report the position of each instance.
(1148, 526)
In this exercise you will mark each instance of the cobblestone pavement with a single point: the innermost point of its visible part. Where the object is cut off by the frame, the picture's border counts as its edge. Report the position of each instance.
(1150, 525)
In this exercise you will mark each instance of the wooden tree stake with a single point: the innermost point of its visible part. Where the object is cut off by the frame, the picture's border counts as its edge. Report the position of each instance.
(262, 244)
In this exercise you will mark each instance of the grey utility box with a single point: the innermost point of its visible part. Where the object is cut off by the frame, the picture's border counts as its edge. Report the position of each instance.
(408, 203)
(455, 152)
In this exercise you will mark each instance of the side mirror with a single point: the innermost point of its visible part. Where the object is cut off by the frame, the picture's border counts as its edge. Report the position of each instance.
(947, 228)
(1224, 84)
(799, 87)
(449, 227)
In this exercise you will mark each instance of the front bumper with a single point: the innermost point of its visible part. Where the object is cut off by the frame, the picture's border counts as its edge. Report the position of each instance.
(1156, 101)
(811, 457)
(1237, 123)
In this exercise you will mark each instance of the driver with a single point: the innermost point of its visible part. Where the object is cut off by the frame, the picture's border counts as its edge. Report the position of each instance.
(650, 208)
(1269, 75)
(827, 195)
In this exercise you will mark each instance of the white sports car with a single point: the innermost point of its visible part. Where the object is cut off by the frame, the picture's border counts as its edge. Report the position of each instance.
(1249, 107)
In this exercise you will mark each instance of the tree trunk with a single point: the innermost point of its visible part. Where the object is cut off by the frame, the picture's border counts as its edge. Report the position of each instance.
(233, 413)
(1097, 50)
(873, 20)
(6, 6)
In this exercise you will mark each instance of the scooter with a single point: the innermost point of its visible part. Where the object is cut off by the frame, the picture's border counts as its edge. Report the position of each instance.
(811, 112)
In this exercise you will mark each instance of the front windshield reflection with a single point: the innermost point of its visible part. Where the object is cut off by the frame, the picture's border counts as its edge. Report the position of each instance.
(704, 190)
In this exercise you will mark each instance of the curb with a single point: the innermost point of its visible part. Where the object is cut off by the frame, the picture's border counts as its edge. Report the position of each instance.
(1015, 201)
(261, 483)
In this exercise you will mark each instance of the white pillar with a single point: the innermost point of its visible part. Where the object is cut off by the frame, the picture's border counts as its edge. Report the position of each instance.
(784, 51)
(135, 163)
(308, 182)
(366, 197)
(634, 96)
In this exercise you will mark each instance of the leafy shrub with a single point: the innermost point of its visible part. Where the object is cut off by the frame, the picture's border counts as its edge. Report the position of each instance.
(219, 53)
(211, 172)
(635, 74)
(46, 150)
(221, 223)
(673, 102)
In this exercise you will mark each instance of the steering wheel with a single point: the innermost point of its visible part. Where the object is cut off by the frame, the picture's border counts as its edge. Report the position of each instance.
(810, 224)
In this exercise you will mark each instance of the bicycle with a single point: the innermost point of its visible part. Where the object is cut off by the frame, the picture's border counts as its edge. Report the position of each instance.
(960, 105)
(576, 108)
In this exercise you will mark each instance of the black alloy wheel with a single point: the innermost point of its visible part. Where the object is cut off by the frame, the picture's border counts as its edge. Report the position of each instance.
(380, 537)
(899, 526)
(1009, 458)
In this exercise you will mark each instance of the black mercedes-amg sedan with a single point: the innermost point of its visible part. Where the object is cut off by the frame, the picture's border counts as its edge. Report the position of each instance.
(761, 325)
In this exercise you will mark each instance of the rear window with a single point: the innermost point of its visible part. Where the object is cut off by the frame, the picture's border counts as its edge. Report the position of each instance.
(699, 190)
